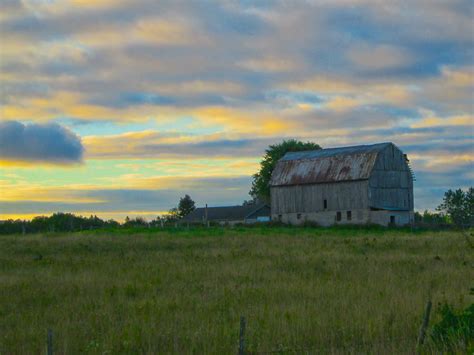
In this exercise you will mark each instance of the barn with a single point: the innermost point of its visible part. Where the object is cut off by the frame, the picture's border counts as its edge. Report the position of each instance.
(348, 185)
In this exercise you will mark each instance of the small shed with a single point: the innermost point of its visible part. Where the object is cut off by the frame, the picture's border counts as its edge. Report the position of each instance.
(231, 215)
(356, 185)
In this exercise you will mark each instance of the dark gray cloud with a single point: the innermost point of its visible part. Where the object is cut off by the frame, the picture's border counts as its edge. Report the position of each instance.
(50, 143)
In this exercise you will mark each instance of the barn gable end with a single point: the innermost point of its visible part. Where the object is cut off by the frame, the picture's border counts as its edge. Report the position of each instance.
(391, 182)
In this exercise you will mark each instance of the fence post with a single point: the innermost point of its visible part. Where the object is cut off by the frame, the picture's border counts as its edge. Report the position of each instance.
(241, 336)
(50, 342)
(424, 325)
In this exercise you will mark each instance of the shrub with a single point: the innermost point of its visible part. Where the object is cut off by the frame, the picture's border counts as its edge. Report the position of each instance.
(455, 328)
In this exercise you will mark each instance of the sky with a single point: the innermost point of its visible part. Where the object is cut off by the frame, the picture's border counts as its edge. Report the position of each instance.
(118, 108)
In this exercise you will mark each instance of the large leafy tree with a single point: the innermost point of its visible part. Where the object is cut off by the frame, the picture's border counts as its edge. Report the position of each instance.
(459, 206)
(261, 180)
(186, 206)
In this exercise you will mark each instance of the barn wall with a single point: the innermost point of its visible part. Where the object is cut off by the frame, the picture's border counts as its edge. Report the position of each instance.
(402, 218)
(358, 216)
(391, 183)
(323, 218)
(340, 196)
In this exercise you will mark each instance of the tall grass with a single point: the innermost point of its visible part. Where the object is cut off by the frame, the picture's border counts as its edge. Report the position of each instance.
(183, 291)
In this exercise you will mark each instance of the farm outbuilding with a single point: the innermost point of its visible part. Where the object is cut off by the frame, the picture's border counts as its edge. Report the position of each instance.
(347, 185)
(231, 215)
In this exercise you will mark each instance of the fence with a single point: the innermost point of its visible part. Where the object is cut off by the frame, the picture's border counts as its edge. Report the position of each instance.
(242, 344)
(242, 350)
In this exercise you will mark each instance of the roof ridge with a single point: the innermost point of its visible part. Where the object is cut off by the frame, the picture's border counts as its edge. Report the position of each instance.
(328, 152)
(232, 206)
(358, 145)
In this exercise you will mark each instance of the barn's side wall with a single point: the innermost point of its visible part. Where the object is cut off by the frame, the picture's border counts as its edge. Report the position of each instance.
(391, 183)
(310, 198)
(358, 216)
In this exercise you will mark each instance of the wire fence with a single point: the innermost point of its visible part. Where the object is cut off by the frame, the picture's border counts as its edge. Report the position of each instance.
(299, 350)
(242, 340)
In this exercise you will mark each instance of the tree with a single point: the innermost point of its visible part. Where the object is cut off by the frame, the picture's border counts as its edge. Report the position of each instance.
(261, 180)
(431, 218)
(459, 206)
(135, 222)
(251, 202)
(171, 216)
(186, 206)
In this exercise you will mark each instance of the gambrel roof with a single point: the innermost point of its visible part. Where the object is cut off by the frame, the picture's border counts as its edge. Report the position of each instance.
(326, 165)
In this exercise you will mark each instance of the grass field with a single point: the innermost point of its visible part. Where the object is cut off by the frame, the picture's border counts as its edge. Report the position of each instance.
(183, 291)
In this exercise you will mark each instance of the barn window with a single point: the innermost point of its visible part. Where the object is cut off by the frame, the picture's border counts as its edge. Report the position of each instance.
(349, 215)
(279, 218)
(298, 216)
(392, 219)
(325, 203)
(338, 216)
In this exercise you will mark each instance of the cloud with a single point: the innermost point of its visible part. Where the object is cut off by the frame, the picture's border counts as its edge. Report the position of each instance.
(159, 196)
(39, 143)
(379, 57)
(216, 81)
(153, 144)
(268, 65)
(461, 120)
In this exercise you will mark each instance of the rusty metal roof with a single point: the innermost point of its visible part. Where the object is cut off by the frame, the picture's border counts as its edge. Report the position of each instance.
(326, 165)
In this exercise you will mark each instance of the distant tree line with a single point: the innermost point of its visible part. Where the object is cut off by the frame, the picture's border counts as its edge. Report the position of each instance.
(68, 222)
(457, 209)
(428, 218)
(58, 222)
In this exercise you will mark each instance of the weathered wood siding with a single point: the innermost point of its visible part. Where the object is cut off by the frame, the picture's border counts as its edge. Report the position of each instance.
(391, 183)
(310, 198)
(359, 216)
(361, 184)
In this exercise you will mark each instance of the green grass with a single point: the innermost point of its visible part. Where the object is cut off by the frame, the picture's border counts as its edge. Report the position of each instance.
(339, 290)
